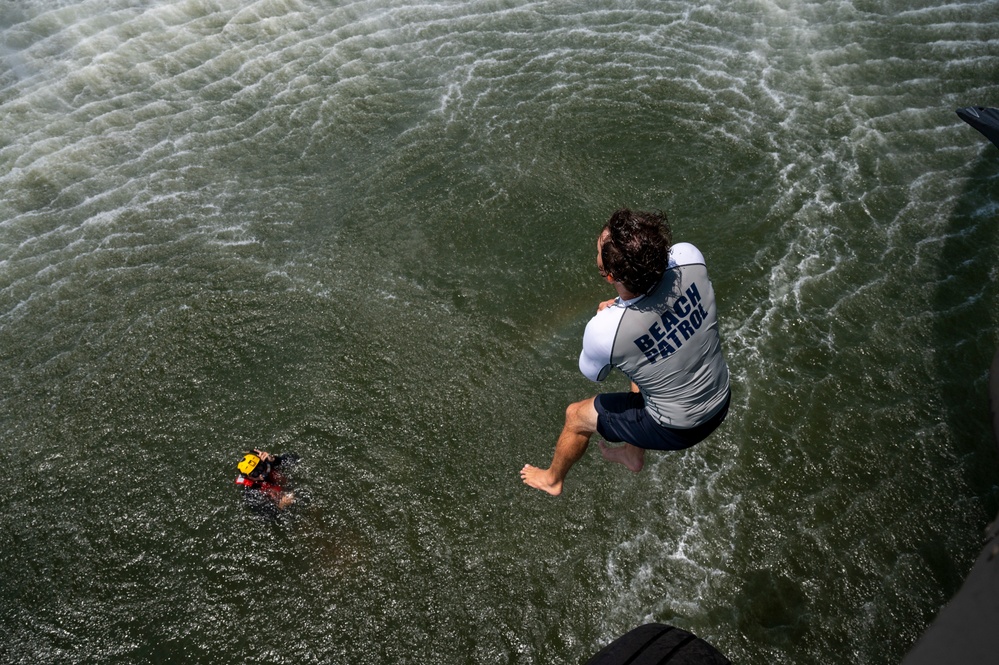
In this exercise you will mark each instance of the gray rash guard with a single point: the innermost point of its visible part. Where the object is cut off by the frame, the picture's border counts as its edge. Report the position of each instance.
(666, 342)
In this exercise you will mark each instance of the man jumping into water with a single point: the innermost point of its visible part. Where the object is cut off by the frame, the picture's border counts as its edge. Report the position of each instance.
(661, 331)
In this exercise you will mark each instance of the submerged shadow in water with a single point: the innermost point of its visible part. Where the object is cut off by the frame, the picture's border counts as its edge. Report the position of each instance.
(966, 319)
(965, 346)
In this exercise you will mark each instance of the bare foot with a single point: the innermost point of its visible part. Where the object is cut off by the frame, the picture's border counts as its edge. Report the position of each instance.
(539, 479)
(632, 457)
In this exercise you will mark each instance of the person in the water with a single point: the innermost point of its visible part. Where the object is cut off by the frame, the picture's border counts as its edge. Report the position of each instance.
(261, 476)
(661, 331)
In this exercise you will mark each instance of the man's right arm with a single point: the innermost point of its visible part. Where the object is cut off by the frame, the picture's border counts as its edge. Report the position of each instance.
(598, 343)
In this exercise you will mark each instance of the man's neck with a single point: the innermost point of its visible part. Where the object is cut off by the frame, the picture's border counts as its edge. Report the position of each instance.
(623, 293)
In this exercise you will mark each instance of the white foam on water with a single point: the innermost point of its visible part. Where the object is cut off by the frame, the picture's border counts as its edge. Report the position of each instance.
(665, 568)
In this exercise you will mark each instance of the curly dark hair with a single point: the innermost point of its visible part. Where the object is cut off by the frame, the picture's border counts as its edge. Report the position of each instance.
(636, 250)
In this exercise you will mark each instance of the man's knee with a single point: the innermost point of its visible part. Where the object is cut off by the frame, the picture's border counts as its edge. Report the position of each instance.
(573, 410)
(581, 416)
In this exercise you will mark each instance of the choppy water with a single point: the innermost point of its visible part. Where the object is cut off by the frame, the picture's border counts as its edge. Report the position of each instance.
(364, 232)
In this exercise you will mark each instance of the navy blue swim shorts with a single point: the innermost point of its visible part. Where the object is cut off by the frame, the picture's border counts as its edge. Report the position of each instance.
(622, 417)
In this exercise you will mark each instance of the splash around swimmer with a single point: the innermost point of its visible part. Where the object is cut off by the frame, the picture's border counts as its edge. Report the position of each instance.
(264, 479)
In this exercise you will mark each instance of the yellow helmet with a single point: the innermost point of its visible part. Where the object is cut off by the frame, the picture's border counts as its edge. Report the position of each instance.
(248, 464)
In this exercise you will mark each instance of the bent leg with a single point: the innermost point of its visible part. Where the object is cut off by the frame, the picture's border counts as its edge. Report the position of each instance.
(580, 424)
(632, 457)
